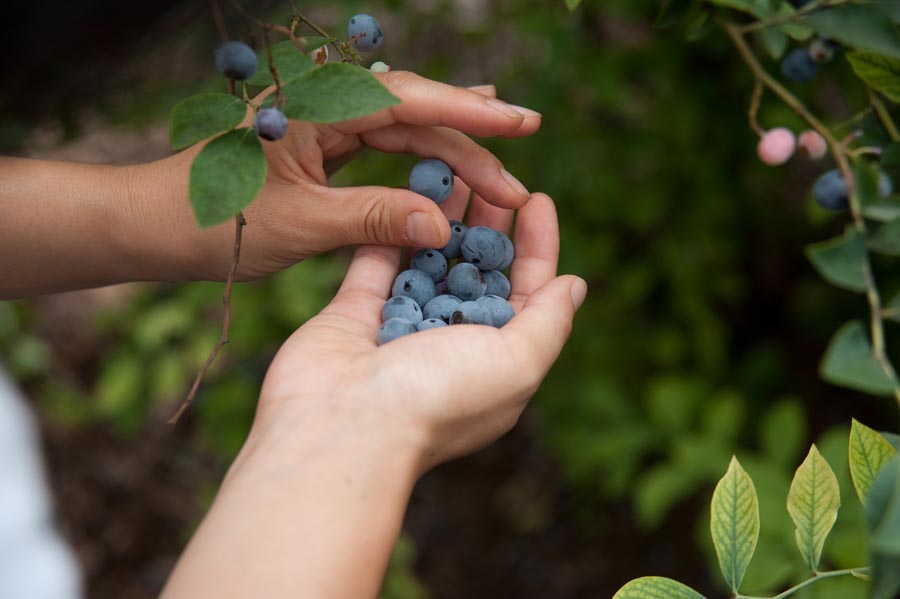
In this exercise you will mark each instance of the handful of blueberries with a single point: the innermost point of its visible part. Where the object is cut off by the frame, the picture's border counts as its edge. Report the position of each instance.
(433, 294)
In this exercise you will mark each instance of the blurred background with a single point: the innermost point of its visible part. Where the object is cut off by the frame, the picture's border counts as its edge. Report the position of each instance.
(700, 338)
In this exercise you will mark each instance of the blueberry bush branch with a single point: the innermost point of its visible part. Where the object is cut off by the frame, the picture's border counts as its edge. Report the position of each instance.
(816, 577)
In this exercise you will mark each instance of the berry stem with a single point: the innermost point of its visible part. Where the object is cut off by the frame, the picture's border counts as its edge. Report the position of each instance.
(840, 153)
(884, 116)
(239, 223)
(755, 100)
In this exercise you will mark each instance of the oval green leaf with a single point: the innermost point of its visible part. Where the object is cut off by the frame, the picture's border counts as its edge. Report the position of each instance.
(869, 453)
(813, 502)
(841, 261)
(204, 115)
(335, 92)
(656, 587)
(883, 520)
(849, 362)
(290, 62)
(858, 26)
(881, 73)
(226, 176)
(734, 523)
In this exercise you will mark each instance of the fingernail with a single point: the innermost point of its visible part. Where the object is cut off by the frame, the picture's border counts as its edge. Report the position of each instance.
(501, 106)
(578, 292)
(422, 230)
(513, 182)
(482, 89)
(526, 112)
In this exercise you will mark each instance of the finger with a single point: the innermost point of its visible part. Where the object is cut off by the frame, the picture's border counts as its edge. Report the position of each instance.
(488, 90)
(483, 214)
(356, 309)
(537, 248)
(454, 208)
(372, 271)
(480, 169)
(536, 335)
(426, 102)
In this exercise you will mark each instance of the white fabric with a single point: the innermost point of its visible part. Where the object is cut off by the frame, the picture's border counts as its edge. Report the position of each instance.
(35, 563)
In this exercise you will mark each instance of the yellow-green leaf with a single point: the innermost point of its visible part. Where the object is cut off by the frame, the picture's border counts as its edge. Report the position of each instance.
(881, 73)
(813, 502)
(656, 587)
(734, 523)
(869, 452)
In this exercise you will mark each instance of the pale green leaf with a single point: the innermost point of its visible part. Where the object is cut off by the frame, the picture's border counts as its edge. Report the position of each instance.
(849, 362)
(813, 502)
(204, 115)
(573, 4)
(656, 587)
(859, 26)
(881, 73)
(335, 92)
(869, 452)
(290, 62)
(734, 523)
(841, 261)
(226, 176)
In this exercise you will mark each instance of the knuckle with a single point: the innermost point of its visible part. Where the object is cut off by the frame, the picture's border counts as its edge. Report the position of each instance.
(397, 80)
(377, 225)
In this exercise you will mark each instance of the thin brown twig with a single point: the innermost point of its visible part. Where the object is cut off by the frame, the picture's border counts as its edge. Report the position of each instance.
(239, 223)
(755, 100)
(884, 116)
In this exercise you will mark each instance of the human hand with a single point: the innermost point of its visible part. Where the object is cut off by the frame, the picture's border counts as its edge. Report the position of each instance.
(441, 393)
(297, 214)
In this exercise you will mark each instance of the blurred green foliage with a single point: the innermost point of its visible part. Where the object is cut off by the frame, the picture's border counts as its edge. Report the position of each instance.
(704, 323)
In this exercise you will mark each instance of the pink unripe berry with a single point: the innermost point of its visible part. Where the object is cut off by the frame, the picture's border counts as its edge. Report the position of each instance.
(776, 146)
(812, 144)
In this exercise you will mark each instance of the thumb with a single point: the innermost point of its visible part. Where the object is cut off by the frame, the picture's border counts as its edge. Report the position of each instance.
(383, 216)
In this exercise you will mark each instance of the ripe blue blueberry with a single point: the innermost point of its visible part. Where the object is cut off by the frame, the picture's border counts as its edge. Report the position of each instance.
(431, 323)
(798, 66)
(415, 284)
(393, 329)
(368, 29)
(830, 191)
(433, 179)
(236, 60)
(510, 253)
(270, 124)
(431, 262)
(501, 311)
(441, 307)
(457, 232)
(441, 287)
(497, 283)
(471, 313)
(483, 247)
(401, 306)
(885, 185)
(466, 281)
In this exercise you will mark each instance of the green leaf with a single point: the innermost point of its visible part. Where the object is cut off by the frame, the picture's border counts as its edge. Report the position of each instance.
(886, 240)
(869, 452)
(671, 12)
(882, 211)
(201, 116)
(813, 502)
(335, 92)
(773, 40)
(656, 587)
(881, 73)
(289, 61)
(862, 27)
(883, 508)
(891, 8)
(313, 42)
(849, 362)
(573, 4)
(226, 176)
(892, 438)
(841, 261)
(734, 523)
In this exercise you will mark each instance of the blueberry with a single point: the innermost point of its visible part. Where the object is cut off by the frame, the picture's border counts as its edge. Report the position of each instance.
(236, 60)
(441, 307)
(394, 328)
(466, 282)
(798, 66)
(497, 283)
(484, 248)
(431, 323)
(501, 311)
(821, 50)
(431, 262)
(510, 253)
(830, 191)
(415, 284)
(471, 313)
(401, 306)
(457, 232)
(368, 28)
(885, 185)
(270, 123)
(433, 179)
(441, 287)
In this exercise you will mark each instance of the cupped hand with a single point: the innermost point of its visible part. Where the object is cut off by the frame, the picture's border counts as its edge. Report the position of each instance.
(297, 214)
(445, 392)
